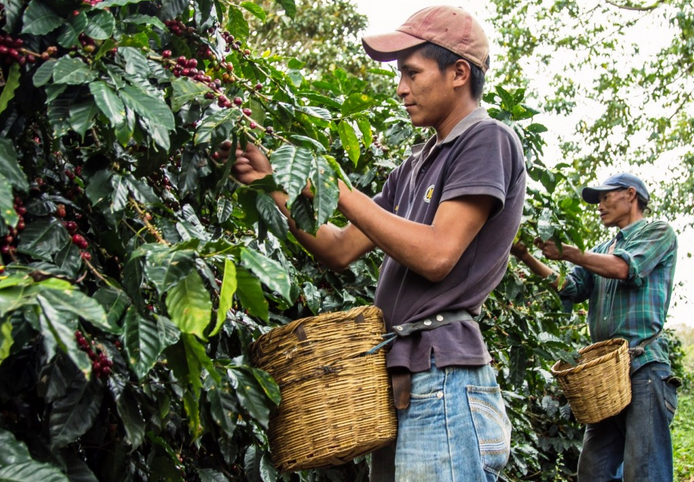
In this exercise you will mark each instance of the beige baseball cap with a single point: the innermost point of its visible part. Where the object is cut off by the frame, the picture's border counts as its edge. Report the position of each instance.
(449, 27)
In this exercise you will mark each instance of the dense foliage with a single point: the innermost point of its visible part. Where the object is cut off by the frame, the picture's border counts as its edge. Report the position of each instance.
(136, 272)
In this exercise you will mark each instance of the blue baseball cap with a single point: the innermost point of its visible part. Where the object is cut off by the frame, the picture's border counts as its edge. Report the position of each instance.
(624, 180)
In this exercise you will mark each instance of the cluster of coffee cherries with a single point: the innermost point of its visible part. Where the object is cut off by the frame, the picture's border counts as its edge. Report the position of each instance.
(178, 28)
(72, 228)
(101, 364)
(12, 50)
(8, 243)
(88, 44)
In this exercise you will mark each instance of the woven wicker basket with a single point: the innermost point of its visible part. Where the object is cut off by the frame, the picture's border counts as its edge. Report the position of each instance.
(599, 386)
(337, 401)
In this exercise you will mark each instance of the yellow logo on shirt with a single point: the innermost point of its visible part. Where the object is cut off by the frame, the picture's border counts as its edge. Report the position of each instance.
(429, 194)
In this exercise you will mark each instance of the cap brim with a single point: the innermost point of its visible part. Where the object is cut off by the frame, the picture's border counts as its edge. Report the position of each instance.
(384, 48)
(591, 195)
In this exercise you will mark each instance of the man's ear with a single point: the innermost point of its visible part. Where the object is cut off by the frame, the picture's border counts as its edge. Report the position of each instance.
(462, 72)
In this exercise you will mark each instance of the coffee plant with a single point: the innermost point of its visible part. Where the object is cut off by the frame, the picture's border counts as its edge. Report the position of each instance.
(136, 272)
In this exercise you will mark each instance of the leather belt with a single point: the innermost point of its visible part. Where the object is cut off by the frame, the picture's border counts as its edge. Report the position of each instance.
(401, 377)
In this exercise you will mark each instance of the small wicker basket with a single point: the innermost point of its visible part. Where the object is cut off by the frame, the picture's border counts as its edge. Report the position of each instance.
(599, 386)
(337, 400)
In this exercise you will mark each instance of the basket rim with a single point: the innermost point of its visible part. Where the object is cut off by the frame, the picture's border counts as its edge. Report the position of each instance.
(622, 348)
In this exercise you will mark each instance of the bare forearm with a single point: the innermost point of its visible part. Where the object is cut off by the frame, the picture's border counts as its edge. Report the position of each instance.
(605, 265)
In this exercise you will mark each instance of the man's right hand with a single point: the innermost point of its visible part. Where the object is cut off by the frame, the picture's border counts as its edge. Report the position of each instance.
(251, 164)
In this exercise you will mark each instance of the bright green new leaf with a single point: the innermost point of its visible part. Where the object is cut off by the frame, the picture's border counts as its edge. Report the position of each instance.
(226, 295)
(325, 191)
(7, 211)
(356, 103)
(350, 141)
(11, 85)
(256, 10)
(292, 167)
(189, 305)
(39, 19)
(268, 271)
(6, 340)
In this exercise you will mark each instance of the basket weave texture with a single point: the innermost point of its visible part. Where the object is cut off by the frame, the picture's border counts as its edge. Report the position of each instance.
(599, 386)
(337, 401)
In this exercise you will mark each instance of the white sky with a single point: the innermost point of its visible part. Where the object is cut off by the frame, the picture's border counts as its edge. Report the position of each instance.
(386, 15)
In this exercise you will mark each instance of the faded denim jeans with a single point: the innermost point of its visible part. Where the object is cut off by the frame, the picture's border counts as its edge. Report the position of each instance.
(455, 430)
(636, 443)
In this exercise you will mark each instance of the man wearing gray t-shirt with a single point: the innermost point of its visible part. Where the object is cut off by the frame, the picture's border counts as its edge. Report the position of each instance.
(446, 219)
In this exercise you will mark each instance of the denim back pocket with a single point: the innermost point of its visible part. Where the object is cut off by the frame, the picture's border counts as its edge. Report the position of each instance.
(492, 426)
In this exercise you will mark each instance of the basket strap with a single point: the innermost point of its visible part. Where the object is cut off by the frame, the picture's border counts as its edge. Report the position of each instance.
(641, 347)
(426, 324)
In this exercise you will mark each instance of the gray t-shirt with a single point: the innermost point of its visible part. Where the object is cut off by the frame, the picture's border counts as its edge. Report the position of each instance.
(486, 158)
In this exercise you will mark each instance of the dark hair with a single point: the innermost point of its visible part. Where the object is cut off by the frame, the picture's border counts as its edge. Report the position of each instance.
(445, 57)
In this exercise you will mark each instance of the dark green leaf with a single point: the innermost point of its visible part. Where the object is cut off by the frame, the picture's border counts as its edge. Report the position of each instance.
(10, 168)
(74, 414)
(108, 102)
(13, 13)
(223, 406)
(114, 302)
(43, 238)
(272, 216)
(32, 471)
(69, 34)
(152, 108)
(39, 19)
(72, 71)
(185, 91)
(9, 88)
(213, 122)
(131, 415)
(135, 61)
(292, 167)
(146, 20)
(268, 384)
(101, 25)
(44, 73)
(13, 452)
(143, 342)
(165, 269)
(82, 116)
(269, 271)
(250, 395)
(250, 294)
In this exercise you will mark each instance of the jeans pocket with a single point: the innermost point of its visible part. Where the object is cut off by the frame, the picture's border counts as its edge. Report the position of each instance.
(670, 395)
(492, 426)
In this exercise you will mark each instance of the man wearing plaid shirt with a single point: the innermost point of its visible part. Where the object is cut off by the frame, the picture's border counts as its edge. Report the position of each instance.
(628, 281)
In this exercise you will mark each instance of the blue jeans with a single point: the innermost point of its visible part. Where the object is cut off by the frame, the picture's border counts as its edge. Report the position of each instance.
(635, 444)
(455, 429)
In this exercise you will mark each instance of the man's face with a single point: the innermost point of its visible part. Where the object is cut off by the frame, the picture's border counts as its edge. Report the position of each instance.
(615, 207)
(428, 94)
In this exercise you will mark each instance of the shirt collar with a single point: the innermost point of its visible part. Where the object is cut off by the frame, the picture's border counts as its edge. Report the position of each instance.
(479, 114)
(628, 231)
